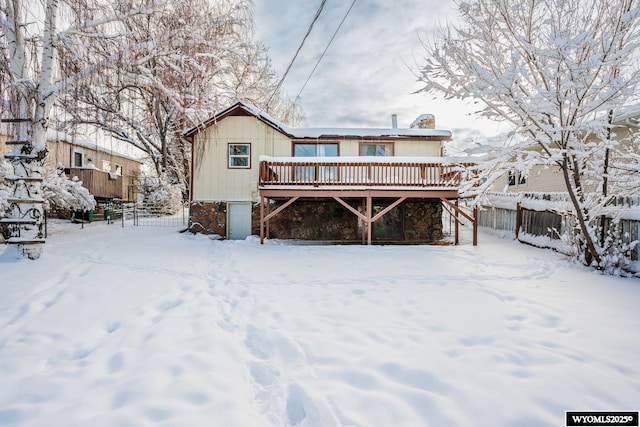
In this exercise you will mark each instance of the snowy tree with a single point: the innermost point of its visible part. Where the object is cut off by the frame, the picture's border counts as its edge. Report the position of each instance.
(204, 58)
(556, 70)
(151, 96)
(48, 47)
(250, 78)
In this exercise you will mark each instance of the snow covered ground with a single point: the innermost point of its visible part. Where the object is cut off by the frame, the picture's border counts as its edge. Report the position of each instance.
(144, 326)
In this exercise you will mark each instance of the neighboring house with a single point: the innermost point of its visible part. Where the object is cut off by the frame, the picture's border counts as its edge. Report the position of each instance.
(540, 178)
(549, 179)
(253, 175)
(105, 173)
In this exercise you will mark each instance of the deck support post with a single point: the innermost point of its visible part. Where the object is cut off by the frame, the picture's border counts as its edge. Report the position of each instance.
(457, 209)
(364, 203)
(262, 220)
(369, 221)
(475, 226)
(268, 224)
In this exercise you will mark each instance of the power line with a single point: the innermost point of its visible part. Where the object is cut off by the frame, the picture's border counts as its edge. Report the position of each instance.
(325, 51)
(284, 76)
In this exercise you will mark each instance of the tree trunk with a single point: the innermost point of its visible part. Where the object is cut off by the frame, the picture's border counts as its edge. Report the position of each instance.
(575, 190)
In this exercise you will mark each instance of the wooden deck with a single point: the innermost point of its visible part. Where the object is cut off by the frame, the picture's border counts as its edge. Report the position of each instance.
(361, 173)
(361, 177)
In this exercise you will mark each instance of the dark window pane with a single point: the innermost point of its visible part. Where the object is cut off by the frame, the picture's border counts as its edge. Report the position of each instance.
(315, 150)
(375, 150)
(239, 150)
(304, 150)
(239, 162)
(328, 150)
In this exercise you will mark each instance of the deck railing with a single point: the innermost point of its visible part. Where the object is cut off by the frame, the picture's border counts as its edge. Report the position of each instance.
(361, 172)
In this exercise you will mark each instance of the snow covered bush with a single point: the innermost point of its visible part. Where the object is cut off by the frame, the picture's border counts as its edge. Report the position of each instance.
(64, 193)
(165, 196)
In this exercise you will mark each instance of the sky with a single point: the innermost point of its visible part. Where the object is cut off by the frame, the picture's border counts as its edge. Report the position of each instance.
(368, 72)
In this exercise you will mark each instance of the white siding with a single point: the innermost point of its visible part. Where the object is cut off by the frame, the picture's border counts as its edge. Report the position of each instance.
(540, 179)
(213, 180)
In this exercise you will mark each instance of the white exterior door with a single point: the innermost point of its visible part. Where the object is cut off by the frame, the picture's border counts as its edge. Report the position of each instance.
(238, 221)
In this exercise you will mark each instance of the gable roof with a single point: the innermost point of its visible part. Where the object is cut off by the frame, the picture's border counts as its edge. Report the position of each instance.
(242, 109)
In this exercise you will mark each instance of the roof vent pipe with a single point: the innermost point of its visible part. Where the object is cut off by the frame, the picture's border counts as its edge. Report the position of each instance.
(394, 121)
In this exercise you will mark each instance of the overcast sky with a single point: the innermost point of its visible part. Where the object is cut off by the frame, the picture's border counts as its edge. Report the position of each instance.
(368, 72)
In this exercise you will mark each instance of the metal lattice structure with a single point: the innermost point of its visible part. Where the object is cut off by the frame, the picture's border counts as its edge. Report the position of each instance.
(26, 203)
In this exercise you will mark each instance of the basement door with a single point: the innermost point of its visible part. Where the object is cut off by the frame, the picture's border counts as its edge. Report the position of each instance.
(238, 220)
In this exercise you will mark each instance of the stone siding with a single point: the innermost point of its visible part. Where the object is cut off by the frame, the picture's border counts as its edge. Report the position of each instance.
(324, 220)
(423, 221)
(314, 220)
(208, 218)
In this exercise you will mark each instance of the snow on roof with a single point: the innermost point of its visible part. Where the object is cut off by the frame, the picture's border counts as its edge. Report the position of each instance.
(367, 133)
(420, 118)
(323, 132)
(627, 112)
(56, 135)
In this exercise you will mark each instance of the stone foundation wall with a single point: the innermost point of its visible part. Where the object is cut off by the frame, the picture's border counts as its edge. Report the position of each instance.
(423, 221)
(329, 220)
(314, 220)
(322, 220)
(208, 218)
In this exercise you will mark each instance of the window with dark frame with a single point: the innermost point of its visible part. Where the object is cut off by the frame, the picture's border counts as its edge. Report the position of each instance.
(516, 178)
(78, 159)
(239, 156)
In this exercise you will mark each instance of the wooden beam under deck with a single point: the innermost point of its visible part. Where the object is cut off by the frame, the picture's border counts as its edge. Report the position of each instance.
(272, 193)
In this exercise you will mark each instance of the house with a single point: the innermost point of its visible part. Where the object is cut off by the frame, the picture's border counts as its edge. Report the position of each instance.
(549, 178)
(105, 173)
(252, 174)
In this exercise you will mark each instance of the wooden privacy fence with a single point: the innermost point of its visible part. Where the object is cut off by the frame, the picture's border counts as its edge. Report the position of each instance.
(542, 219)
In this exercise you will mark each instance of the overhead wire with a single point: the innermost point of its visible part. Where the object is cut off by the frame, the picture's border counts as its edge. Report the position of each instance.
(304, 39)
(324, 51)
